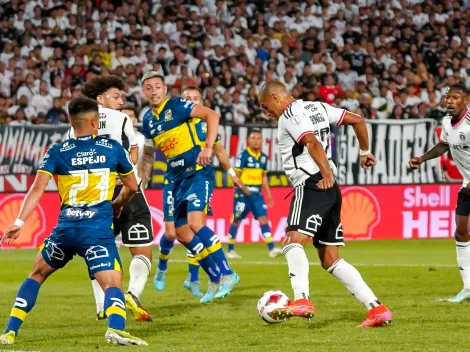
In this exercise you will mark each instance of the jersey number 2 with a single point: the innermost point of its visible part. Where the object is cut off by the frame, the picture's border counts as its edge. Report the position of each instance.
(83, 185)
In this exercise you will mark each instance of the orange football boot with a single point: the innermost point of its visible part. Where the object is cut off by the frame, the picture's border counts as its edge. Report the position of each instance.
(378, 316)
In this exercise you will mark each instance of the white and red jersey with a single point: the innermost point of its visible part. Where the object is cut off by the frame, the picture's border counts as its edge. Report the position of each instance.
(299, 119)
(457, 136)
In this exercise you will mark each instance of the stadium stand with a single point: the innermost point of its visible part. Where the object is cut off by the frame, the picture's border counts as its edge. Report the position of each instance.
(383, 59)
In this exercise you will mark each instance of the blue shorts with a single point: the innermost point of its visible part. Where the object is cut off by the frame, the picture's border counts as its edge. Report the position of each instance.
(168, 203)
(97, 247)
(243, 205)
(192, 194)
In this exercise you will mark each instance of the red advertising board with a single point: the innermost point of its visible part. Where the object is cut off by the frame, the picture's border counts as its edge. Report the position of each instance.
(368, 213)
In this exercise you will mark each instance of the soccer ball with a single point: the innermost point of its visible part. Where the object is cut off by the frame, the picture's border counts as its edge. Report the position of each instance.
(268, 302)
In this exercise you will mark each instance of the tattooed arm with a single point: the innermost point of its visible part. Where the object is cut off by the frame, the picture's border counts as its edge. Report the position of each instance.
(146, 162)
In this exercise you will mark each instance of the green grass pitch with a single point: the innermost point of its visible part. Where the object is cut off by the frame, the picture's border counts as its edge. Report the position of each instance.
(408, 276)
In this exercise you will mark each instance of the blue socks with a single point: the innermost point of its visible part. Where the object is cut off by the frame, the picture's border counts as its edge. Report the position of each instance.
(232, 236)
(266, 231)
(214, 247)
(24, 302)
(165, 249)
(115, 308)
(201, 254)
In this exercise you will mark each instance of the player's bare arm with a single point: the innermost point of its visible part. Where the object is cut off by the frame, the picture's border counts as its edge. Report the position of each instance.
(436, 151)
(367, 159)
(222, 156)
(128, 190)
(146, 164)
(316, 151)
(267, 189)
(29, 203)
(135, 154)
(212, 119)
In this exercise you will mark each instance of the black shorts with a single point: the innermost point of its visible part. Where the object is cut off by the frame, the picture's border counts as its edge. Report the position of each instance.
(463, 203)
(135, 222)
(317, 213)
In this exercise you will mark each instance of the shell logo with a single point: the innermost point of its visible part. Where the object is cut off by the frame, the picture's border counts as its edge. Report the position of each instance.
(360, 213)
(34, 226)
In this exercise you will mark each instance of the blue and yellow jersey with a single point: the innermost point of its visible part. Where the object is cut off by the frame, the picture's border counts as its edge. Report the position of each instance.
(201, 130)
(86, 168)
(173, 132)
(252, 166)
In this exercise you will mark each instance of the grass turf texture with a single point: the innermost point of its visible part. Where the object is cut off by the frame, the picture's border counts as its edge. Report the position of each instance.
(408, 276)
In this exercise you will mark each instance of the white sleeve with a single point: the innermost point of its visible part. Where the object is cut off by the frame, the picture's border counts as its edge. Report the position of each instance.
(148, 142)
(70, 133)
(443, 137)
(298, 126)
(129, 132)
(335, 115)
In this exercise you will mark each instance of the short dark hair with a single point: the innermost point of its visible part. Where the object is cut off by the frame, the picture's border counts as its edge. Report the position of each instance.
(99, 85)
(131, 108)
(254, 130)
(80, 106)
(459, 87)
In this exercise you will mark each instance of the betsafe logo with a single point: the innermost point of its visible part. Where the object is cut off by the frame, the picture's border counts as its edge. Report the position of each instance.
(34, 226)
(360, 213)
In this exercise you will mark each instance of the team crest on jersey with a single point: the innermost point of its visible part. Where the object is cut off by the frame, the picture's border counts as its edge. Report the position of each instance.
(462, 137)
(168, 115)
(204, 127)
(104, 143)
(263, 159)
(67, 146)
(159, 128)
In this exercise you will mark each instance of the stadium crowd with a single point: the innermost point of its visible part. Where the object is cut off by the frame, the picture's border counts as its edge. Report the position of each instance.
(383, 59)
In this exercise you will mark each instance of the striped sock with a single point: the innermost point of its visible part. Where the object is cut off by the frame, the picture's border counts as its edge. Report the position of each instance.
(24, 302)
(232, 236)
(166, 246)
(193, 267)
(214, 247)
(115, 308)
(266, 231)
(201, 254)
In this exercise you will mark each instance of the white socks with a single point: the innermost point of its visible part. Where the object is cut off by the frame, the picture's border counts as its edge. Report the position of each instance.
(99, 296)
(139, 272)
(298, 270)
(353, 281)
(463, 261)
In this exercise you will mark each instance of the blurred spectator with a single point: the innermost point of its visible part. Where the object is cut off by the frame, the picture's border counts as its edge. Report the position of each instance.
(42, 101)
(56, 114)
(330, 90)
(20, 118)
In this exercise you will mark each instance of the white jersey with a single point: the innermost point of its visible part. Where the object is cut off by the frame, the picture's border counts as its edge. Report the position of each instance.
(457, 136)
(117, 126)
(299, 119)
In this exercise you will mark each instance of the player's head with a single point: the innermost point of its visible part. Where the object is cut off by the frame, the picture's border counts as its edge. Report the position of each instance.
(255, 139)
(131, 112)
(193, 94)
(84, 116)
(154, 88)
(106, 91)
(274, 99)
(457, 99)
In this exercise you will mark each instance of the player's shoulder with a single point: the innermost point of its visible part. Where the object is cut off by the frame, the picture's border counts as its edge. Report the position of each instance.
(106, 141)
(110, 112)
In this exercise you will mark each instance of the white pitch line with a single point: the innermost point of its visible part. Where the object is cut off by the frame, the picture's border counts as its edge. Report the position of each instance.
(237, 261)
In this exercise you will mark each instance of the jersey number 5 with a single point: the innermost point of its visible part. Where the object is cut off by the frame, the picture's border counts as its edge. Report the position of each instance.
(89, 196)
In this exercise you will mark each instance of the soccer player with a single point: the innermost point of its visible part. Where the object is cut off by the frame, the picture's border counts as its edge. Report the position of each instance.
(315, 210)
(252, 168)
(135, 222)
(455, 137)
(168, 126)
(86, 167)
(167, 241)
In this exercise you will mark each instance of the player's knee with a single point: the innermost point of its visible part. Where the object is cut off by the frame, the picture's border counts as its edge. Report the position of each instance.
(461, 235)
(236, 223)
(295, 237)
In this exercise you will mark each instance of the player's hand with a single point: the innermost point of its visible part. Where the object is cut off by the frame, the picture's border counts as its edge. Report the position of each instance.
(237, 182)
(10, 235)
(117, 209)
(415, 162)
(367, 161)
(204, 157)
(327, 181)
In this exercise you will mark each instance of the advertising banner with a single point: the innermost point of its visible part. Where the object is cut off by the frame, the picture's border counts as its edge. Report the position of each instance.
(368, 213)
(394, 143)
